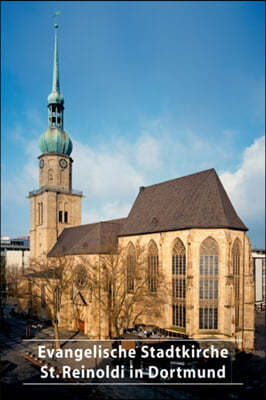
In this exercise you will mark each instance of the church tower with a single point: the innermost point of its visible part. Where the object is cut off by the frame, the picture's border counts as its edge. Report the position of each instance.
(55, 205)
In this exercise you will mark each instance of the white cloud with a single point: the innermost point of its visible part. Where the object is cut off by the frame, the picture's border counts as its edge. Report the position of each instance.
(104, 175)
(110, 177)
(148, 153)
(111, 174)
(246, 186)
(117, 209)
(113, 210)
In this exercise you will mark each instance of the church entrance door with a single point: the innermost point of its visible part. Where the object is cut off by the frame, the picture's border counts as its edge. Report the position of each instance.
(81, 325)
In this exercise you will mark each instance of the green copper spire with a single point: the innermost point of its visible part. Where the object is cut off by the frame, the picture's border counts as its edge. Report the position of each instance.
(55, 139)
(55, 96)
(56, 86)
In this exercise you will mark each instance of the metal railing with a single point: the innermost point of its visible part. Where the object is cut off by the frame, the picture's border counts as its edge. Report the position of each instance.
(55, 189)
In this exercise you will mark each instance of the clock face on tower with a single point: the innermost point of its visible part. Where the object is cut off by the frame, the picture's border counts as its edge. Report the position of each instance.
(41, 163)
(63, 163)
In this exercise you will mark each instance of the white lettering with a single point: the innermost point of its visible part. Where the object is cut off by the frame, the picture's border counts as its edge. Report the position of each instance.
(221, 372)
(224, 353)
(41, 351)
(44, 373)
(153, 372)
(76, 373)
(144, 351)
(66, 371)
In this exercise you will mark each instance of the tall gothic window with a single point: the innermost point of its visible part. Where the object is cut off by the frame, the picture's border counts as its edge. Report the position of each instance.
(208, 294)
(131, 267)
(236, 274)
(179, 284)
(153, 262)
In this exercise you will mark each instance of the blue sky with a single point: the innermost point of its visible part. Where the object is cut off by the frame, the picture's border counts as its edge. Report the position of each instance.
(153, 91)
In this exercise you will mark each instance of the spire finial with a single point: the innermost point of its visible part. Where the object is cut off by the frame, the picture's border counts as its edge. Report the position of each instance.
(54, 16)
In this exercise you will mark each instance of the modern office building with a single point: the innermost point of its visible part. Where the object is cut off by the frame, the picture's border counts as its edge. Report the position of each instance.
(258, 257)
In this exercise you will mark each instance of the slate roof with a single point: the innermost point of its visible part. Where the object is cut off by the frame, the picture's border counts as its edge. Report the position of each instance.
(193, 201)
(97, 238)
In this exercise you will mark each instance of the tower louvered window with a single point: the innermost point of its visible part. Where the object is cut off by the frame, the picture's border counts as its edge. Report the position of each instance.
(208, 291)
(179, 284)
(153, 262)
(236, 274)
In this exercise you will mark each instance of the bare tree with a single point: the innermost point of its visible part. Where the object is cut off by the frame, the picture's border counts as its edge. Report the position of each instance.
(125, 288)
(15, 290)
(126, 284)
(50, 280)
(13, 277)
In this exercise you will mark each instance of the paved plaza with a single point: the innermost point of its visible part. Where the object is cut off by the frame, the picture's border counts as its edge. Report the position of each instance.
(248, 368)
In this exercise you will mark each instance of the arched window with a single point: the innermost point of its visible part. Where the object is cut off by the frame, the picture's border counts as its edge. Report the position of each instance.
(236, 274)
(153, 262)
(40, 213)
(208, 295)
(50, 176)
(179, 284)
(131, 266)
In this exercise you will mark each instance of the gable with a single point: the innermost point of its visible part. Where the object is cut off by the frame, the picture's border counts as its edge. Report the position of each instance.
(193, 201)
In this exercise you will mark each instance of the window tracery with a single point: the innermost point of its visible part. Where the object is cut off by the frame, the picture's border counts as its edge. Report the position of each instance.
(179, 284)
(153, 266)
(208, 290)
(236, 275)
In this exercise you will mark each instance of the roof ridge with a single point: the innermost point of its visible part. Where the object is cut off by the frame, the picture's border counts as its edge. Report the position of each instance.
(180, 177)
(78, 226)
(113, 221)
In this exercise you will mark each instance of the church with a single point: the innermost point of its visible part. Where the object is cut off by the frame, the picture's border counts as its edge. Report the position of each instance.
(183, 232)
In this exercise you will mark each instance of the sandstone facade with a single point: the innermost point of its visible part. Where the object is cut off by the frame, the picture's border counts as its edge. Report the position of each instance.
(95, 319)
(54, 206)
